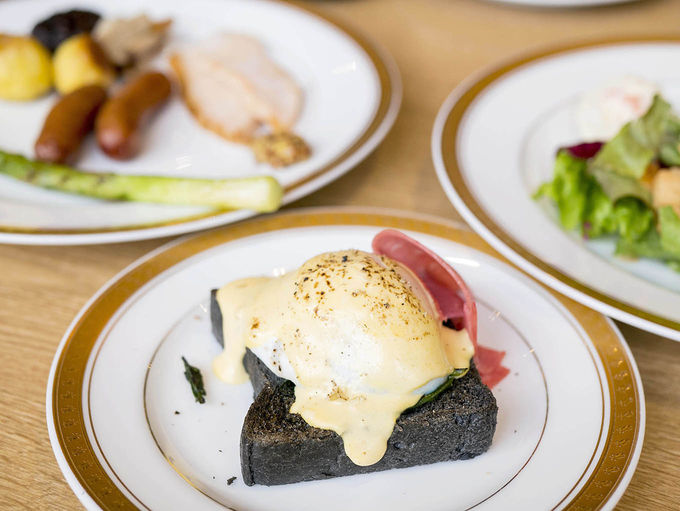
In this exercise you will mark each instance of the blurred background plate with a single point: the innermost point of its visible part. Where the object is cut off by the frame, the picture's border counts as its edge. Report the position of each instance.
(564, 3)
(494, 142)
(352, 94)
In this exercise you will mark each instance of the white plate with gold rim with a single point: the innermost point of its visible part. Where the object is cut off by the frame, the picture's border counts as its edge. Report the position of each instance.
(571, 413)
(352, 95)
(493, 144)
(563, 3)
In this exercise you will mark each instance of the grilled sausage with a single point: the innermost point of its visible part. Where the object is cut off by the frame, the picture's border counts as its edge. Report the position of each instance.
(121, 119)
(67, 124)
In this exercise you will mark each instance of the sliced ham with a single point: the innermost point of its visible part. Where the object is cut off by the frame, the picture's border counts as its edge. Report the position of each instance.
(452, 297)
(489, 363)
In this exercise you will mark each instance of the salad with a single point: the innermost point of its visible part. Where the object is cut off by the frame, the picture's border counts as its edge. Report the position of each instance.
(627, 187)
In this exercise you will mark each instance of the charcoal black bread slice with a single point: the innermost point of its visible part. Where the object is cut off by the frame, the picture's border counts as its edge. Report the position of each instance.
(260, 374)
(278, 447)
(216, 318)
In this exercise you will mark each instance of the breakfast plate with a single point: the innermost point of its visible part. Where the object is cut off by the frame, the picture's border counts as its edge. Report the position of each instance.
(563, 3)
(494, 143)
(351, 94)
(127, 432)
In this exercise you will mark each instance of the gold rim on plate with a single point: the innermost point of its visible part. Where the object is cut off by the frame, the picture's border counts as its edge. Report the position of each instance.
(610, 470)
(448, 149)
(387, 90)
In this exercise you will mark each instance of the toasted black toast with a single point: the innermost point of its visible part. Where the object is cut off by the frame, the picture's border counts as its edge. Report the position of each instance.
(278, 447)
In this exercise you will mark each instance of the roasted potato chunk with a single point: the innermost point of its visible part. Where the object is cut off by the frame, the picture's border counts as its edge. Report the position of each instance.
(25, 68)
(78, 62)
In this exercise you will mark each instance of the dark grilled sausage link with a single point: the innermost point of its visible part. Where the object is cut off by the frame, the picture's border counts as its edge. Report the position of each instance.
(70, 120)
(122, 118)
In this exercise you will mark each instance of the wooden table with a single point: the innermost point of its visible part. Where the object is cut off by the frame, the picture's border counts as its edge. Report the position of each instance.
(436, 43)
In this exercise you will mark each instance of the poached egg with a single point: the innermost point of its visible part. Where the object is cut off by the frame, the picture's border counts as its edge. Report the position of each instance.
(602, 112)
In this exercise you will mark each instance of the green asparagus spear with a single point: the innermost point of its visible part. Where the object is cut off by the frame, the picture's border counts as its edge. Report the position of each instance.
(260, 193)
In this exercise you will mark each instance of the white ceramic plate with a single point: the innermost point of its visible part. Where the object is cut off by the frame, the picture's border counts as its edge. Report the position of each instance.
(352, 95)
(494, 143)
(563, 3)
(571, 413)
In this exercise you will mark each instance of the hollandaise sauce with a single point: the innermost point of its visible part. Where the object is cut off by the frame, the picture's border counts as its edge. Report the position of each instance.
(357, 334)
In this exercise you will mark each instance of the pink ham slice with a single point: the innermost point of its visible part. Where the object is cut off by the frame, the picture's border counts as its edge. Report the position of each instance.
(450, 293)
(489, 364)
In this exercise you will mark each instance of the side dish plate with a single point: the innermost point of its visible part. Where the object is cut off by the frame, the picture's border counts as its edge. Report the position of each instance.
(352, 93)
(563, 3)
(494, 143)
(127, 433)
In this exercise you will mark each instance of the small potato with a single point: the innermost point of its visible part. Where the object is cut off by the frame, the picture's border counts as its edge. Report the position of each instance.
(78, 62)
(25, 68)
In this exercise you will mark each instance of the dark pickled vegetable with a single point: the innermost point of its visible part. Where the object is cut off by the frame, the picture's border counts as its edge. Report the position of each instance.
(51, 32)
(586, 150)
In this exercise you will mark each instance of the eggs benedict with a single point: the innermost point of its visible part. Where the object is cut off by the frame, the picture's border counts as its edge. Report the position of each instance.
(356, 332)
(362, 336)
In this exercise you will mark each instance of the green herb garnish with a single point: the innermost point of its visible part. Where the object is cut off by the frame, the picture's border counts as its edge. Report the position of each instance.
(195, 379)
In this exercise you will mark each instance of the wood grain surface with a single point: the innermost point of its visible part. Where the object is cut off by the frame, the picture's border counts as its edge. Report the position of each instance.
(436, 43)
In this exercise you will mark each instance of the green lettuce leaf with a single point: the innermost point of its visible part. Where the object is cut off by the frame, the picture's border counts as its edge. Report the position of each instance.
(633, 218)
(600, 218)
(663, 244)
(637, 144)
(669, 227)
(649, 246)
(568, 189)
(584, 205)
(617, 186)
(669, 152)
